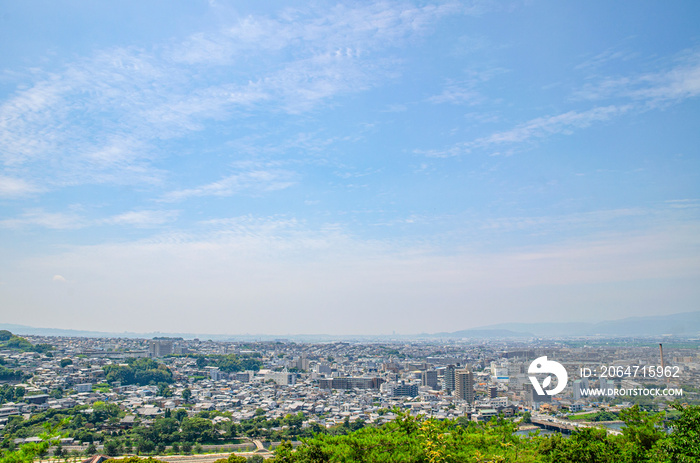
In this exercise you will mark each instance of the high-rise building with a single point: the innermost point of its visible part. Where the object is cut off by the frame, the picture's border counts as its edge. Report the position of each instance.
(160, 347)
(607, 385)
(449, 379)
(464, 385)
(577, 389)
(429, 378)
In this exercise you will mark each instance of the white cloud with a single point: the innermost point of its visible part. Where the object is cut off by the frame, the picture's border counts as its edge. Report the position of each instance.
(38, 217)
(548, 125)
(72, 221)
(465, 91)
(252, 182)
(143, 219)
(636, 93)
(534, 129)
(103, 118)
(681, 81)
(16, 187)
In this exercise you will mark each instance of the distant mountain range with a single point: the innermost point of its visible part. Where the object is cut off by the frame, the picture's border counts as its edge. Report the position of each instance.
(680, 324)
(685, 324)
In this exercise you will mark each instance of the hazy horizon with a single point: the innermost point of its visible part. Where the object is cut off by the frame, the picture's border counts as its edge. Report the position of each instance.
(347, 168)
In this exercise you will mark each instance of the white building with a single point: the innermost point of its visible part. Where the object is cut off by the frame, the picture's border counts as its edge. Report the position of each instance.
(282, 378)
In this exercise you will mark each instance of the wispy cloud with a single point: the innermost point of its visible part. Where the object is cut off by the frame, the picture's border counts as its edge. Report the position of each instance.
(15, 187)
(251, 182)
(72, 221)
(103, 118)
(41, 218)
(142, 219)
(466, 91)
(534, 129)
(627, 94)
(548, 125)
(606, 56)
(679, 82)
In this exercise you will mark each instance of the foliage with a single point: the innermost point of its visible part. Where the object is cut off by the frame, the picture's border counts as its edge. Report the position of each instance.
(229, 363)
(91, 449)
(14, 342)
(684, 444)
(112, 447)
(417, 439)
(17, 343)
(587, 445)
(28, 452)
(231, 459)
(642, 429)
(43, 348)
(10, 394)
(7, 374)
(414, 439)
(102, 412)
(140, 371)
(164, 390)
(134, 459)
(596, 417)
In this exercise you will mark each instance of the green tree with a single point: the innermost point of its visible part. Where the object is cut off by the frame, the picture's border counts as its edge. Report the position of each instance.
(66, 362)
(180, 413)
(641, 429)
(197, 429)
(145, 446)
(164, 390)
(231, 459)
(587, 445)
(683, 445)
(43, 348)
(140, 371)
(91, 449)
(111, 447)
(28, 452)
(284, 453)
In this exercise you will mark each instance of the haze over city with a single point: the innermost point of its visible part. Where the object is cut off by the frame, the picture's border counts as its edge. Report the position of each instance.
(347, 168)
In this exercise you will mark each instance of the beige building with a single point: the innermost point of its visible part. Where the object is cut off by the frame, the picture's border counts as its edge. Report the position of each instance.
(464, 385)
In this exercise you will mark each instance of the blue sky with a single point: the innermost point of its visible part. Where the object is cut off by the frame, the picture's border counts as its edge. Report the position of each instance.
(347, 168)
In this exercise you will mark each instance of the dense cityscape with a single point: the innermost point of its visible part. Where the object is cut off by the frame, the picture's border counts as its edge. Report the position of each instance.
(236, 395)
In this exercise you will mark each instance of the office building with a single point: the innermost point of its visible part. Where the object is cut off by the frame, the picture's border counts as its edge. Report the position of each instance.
(464, 385)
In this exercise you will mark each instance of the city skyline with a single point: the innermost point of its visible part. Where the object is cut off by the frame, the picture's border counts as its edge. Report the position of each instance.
(347, 168)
